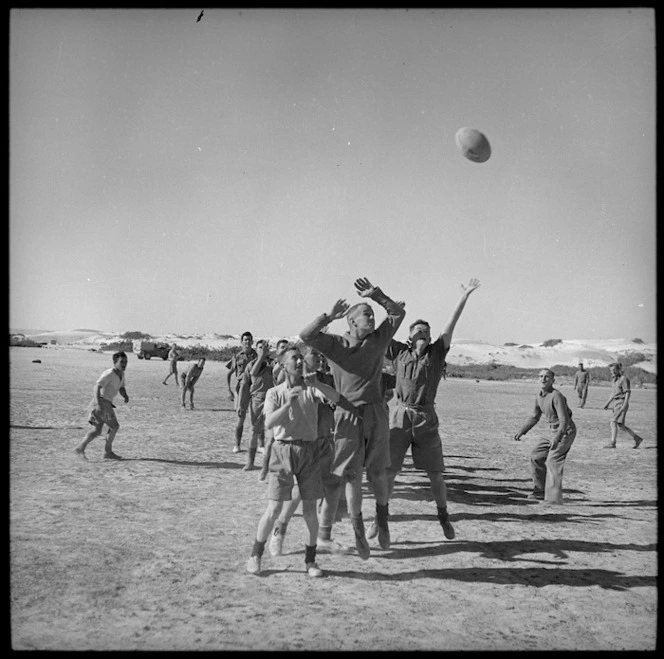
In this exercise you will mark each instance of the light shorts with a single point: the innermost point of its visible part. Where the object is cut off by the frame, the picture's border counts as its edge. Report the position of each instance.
(106, 414)
(293, 460)
(417, 430)
(617, 407)
(361, 439)
(256, 416)
(174, 367)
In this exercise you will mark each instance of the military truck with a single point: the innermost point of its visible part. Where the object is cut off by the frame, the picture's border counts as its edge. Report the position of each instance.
(150, 349)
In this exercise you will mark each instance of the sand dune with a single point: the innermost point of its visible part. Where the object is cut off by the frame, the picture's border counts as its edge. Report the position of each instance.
(593, 352)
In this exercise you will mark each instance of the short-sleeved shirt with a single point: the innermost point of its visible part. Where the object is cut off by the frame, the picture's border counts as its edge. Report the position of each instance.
(417, 377)
(238, 363)
(111, 383)
(255, 386)
(303, 417)
(620, 387)
(357, 365)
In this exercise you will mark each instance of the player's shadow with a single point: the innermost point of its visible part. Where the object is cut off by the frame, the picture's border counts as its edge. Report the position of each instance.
(538, 577)
(222, 409)
(189, 463)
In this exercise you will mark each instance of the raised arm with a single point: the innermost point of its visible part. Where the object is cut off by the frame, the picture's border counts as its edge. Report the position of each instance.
(451, 324)
(314, 328)
(396, 311)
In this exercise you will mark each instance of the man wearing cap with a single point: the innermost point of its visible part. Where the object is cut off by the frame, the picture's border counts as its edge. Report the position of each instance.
(581, 381)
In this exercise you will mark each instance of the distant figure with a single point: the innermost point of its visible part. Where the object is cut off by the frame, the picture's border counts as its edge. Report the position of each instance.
(256, 380)
(548, 457)
(200, 16)
(581, 382)
(236, 366)
(102, 411)
(189, 378)
(619, 403)
(291, 409)
(173, 356)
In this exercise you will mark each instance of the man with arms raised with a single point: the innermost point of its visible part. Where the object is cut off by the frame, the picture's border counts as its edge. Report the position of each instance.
(361, 435)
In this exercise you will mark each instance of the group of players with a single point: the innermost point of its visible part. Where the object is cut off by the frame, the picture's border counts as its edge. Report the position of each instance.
(323, 403)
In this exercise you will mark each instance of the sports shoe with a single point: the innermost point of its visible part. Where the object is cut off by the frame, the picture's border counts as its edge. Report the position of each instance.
(236, 449)
(249, 467)
(331, 546)
(254, 564)
(373, 530)
(610, 446)
(637, 441)
(384, 536)
(313, 570)
(448, 529)
(81, 454)
(277, 541)
(112, 456)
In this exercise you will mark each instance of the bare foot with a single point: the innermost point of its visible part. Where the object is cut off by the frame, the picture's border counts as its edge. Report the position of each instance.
(80, 453)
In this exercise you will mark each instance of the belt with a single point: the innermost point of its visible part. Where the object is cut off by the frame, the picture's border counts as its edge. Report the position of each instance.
(299, 442)
(415, 408)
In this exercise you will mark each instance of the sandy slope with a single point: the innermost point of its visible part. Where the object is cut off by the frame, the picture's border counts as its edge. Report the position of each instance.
(593, 352)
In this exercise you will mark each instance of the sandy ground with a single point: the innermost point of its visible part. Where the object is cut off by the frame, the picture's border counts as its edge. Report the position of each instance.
(149, 553)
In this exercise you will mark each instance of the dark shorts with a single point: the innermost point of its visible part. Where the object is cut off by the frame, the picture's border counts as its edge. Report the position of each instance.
(326, 456)
(290, 461)
(417, 430)
(361, 439)
(105, 414)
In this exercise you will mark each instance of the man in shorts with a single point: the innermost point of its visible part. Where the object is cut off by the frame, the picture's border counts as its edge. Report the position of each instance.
(236, 366)
(315, 362)
(621, 392)
(581, 382)
(361, 435)
(548, 457)
(173, 356)
(291, 412)
(189, 378)
(418, 368)
(257, 379)
(278, 376)
(102, 411)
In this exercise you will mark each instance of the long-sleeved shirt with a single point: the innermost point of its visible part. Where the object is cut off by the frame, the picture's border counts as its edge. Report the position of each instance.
(553, 405)
(357, 364)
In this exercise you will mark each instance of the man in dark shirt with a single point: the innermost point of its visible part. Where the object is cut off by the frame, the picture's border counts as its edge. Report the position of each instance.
(418, 368)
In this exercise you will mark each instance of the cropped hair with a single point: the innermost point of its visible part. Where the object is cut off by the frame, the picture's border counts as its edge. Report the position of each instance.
(249, 334)
(351, 312)
(288, 348)
(418, 322)
(117, 356)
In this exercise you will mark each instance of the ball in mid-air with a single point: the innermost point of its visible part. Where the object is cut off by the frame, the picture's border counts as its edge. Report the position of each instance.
(473, 144)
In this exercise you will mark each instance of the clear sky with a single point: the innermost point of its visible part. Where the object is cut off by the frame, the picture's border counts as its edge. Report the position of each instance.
(240, 172)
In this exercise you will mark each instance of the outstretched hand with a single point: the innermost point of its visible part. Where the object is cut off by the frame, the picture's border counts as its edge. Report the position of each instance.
(338, 310)
(472, 285)
(364, 287)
